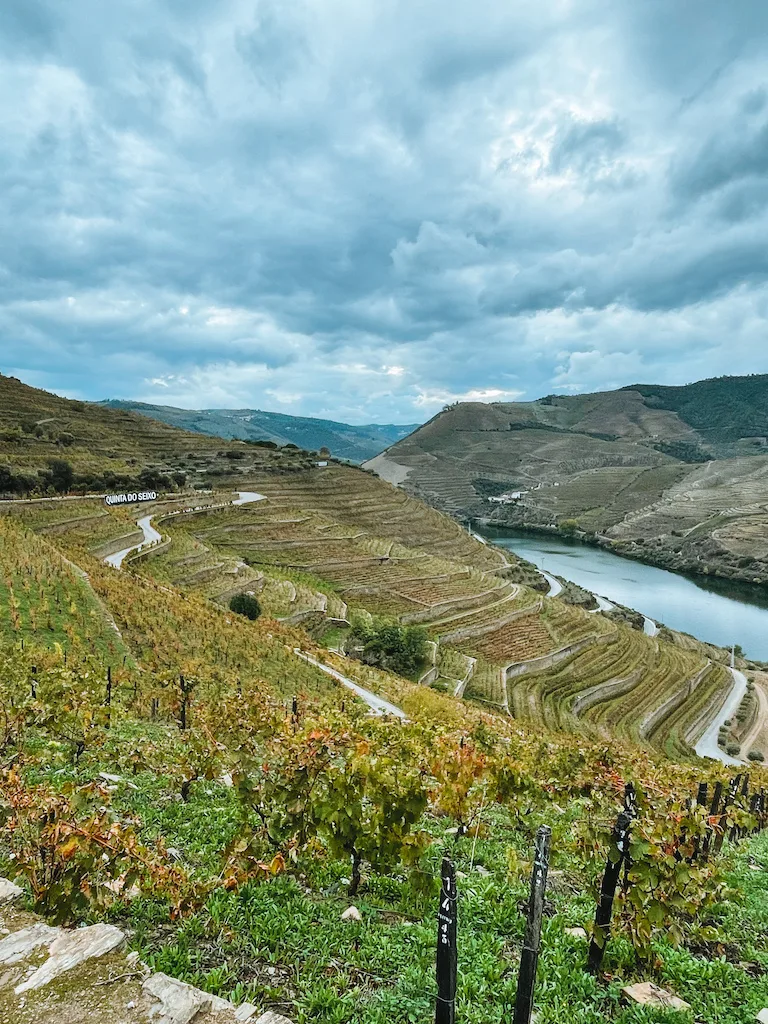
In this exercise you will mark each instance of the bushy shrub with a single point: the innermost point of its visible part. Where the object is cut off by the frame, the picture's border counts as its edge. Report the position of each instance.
(247, 605)
(755, 755)
(733, 749)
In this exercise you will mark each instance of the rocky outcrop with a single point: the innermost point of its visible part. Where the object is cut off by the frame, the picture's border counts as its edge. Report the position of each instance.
(80, 975)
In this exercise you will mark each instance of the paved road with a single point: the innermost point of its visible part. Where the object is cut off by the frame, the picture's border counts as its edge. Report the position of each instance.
(378, 705)
(151, 535)
(707, 745)
(555, 586)
(649, 626)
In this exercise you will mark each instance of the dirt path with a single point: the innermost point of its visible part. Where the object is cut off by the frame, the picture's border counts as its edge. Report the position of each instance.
(378, 705)
(757, 737)
(708, 745)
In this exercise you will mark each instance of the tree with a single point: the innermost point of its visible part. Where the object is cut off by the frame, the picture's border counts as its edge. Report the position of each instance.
(400, 649)
(247, 605)
(61, 475)
(568, 527)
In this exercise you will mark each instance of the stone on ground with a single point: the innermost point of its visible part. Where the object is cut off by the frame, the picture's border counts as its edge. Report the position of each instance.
(18, 945)
(273, 1018)
(763, 1016)
(69, 949)
(175, 1002)
(8, 891)
(351, 914)
(648, 994)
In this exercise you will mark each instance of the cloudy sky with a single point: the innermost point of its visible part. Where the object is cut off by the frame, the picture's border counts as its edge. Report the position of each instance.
(365, 210)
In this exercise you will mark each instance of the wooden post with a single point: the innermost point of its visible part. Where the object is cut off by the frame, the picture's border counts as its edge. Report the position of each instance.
(529, 959)
(34, 682)
(295, 712)
(617, 856)
(447, 956)
(186, 688)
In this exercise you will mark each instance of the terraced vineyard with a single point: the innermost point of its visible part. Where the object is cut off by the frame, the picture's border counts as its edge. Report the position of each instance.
(45, 599)
(337, 543)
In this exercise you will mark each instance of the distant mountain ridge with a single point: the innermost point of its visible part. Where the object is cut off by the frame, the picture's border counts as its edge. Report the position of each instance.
(346, 441)
(676, 475)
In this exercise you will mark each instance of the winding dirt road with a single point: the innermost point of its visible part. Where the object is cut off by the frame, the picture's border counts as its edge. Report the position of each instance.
(378, 705)
(707, 745)
(152, 536)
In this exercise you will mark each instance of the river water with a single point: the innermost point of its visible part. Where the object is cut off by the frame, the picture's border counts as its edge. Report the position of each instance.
(716, 611)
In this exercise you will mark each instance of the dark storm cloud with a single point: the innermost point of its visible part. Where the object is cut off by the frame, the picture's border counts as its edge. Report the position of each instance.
(361, 210)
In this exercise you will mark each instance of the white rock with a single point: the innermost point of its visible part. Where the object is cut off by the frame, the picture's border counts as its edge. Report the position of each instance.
(8, 891)
(763, 1016)
(273, 1018)
(648, 994)
(576, 933)
(70, 949)
(246, 1011)
(173, 852)
(351, 914)
(110, 778)
(19, 944)
(175, 1002)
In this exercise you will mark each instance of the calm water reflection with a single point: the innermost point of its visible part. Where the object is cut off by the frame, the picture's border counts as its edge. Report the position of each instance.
(718, 611)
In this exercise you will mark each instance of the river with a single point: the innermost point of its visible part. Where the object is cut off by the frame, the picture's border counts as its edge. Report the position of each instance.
(717, 611)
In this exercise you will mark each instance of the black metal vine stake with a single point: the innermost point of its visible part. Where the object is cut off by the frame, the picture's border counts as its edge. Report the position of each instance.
(701, 801)
(108, 697)
(447, 954)
(730, 796)
(186, 689)
(529, 959)
(617, 857)
(718, 792)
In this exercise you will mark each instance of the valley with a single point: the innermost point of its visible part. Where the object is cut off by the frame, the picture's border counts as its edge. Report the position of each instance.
(291, 774)
(644, 470)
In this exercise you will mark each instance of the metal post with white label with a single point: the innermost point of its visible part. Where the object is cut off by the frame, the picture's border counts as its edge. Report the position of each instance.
(445, 1008)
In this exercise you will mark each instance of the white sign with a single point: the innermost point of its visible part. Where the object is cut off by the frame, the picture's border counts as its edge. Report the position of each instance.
(126, 499)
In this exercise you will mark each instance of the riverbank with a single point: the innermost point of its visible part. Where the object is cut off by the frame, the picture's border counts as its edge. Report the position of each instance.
(722, 616)
(696, 555)
(740, 589)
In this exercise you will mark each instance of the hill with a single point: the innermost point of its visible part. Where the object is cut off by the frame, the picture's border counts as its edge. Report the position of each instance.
(218, 788)
(53, 445)
(678, 476)
(345, 441)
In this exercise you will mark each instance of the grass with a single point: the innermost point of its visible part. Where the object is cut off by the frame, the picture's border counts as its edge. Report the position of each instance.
(282, 945)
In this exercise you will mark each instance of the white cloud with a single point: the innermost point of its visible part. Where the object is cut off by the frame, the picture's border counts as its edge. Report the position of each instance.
(243, 206)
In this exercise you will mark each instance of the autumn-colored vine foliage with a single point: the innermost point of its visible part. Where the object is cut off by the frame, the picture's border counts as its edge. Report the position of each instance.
(73, 850)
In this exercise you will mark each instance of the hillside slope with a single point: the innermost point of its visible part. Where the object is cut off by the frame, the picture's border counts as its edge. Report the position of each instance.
(109, 449)
(678, 476)
(346, 441)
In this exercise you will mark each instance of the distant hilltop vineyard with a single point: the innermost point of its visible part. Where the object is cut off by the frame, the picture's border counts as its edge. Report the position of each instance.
(677, 476)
